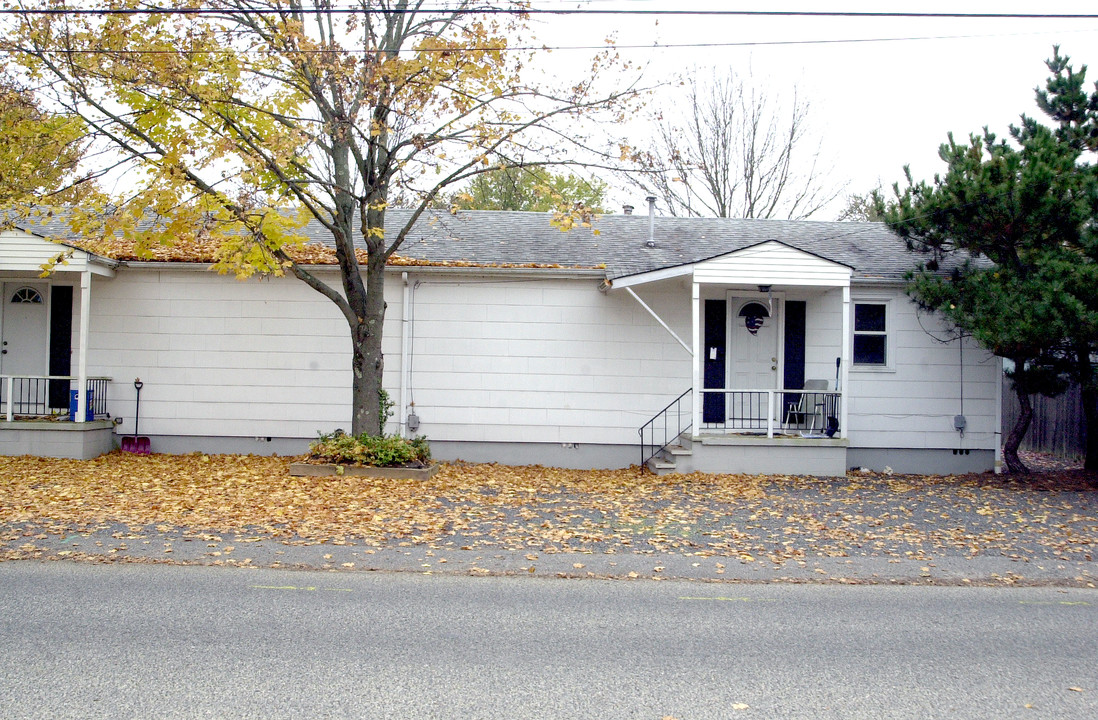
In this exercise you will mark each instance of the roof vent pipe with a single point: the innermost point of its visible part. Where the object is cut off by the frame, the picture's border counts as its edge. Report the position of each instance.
(651, 221)
(627, 209)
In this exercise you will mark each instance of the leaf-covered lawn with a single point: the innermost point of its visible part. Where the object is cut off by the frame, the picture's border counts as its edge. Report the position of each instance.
(746, 518)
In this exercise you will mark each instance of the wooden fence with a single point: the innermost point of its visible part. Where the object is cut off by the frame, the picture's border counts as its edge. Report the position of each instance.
(1058, 427)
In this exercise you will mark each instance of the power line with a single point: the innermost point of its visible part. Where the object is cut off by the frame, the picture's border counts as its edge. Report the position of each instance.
(525, 48)
(553, 11)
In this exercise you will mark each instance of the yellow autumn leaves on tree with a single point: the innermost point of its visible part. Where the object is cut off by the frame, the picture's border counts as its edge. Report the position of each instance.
(235, 122)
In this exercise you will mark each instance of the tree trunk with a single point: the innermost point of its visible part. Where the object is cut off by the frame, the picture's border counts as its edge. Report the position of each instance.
(1014, 439)
(367, 361)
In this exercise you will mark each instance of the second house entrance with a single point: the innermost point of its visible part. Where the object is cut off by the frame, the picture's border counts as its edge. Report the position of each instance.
(754, 359)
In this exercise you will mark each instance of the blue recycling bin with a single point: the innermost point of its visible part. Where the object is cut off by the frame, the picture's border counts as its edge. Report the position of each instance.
(74, 402)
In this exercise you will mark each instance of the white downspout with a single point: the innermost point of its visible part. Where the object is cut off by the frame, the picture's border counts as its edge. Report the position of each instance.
(405, 346)
(82, 356)
(997, 435)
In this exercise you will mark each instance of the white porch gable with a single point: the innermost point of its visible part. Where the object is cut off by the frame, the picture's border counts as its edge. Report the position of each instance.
(772, 263)
(763, 267)
(22, 252)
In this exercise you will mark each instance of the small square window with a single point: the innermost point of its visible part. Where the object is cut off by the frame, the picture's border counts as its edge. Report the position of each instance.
(871, 334)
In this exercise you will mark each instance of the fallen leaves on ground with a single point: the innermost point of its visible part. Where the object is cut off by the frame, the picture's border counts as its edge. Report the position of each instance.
(550, 510)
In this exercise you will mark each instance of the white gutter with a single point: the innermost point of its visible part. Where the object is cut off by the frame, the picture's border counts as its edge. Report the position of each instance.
(660, 321)
(511, 272)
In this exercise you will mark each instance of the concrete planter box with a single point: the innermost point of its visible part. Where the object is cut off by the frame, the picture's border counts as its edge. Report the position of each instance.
(388, 473)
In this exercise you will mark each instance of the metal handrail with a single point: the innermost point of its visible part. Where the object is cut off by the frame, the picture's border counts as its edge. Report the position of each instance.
(668, 437)
(31, 393)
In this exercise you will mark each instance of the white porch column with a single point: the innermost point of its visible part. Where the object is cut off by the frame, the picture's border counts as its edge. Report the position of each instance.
(696, 359)
(844, 371)
(82, 352)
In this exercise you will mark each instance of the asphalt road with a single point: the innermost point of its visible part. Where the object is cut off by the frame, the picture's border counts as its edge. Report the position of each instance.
(155, 641)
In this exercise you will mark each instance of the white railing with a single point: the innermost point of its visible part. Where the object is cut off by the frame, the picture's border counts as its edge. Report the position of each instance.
(806, 412)
(49, 395)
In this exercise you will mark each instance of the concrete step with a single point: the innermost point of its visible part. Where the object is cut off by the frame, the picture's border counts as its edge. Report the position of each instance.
(661, 467)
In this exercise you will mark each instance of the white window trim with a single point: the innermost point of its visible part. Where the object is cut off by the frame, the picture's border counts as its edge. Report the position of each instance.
(889, 333)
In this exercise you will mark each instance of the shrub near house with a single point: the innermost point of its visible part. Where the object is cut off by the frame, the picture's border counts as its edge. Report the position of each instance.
(373, 450)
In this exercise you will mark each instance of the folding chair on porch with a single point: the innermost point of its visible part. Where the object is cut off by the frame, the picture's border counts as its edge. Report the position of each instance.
(808, 408)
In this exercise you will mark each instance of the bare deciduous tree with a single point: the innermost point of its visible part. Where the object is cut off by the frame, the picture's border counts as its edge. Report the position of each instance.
(735, 152)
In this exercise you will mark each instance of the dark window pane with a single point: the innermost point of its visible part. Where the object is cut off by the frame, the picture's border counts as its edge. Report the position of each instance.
(754, 310)
(869, 349)
(869, 318)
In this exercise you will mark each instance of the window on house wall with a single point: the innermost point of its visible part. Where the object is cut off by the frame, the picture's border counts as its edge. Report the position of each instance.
(871, 334)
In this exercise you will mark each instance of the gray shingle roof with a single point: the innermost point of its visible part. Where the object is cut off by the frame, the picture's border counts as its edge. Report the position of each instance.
(489, 237)
(501, 237)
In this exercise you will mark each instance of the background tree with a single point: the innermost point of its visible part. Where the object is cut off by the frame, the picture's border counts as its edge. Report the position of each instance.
(862, 208)
(39, 153)
(530, 188)
(246, 119)
(1028, 208)
(732, 151)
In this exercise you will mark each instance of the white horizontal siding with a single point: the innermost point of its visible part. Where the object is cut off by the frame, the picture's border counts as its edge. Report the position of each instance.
(543, 361)
(772, 263)
(912, 404)
(493, 359)
(536, 361)
(823, 335)
(23, 252)
(222, 357)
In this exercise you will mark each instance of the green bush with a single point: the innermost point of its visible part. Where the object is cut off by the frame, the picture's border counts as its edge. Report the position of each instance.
(375, 450)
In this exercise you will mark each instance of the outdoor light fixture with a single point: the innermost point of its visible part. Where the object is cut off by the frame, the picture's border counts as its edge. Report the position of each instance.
(769, 297)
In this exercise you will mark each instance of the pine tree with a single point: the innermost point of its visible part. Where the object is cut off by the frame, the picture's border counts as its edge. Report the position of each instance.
(1014, 219)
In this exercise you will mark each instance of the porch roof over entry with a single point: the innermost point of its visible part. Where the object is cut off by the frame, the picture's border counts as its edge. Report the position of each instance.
(25, 252)
(767, 263)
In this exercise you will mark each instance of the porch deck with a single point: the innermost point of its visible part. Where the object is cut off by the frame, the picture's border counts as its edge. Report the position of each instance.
(758, 454)
(56, 438)
(38, 417)
(788, 431)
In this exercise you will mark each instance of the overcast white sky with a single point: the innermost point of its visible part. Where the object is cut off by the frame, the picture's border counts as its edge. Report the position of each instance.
(878, 104)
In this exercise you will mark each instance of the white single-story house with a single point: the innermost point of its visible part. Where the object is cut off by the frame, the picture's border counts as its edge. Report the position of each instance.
(714, 345)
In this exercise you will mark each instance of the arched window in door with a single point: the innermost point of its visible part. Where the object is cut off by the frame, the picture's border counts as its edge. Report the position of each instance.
(754, 316)
(26, 295)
